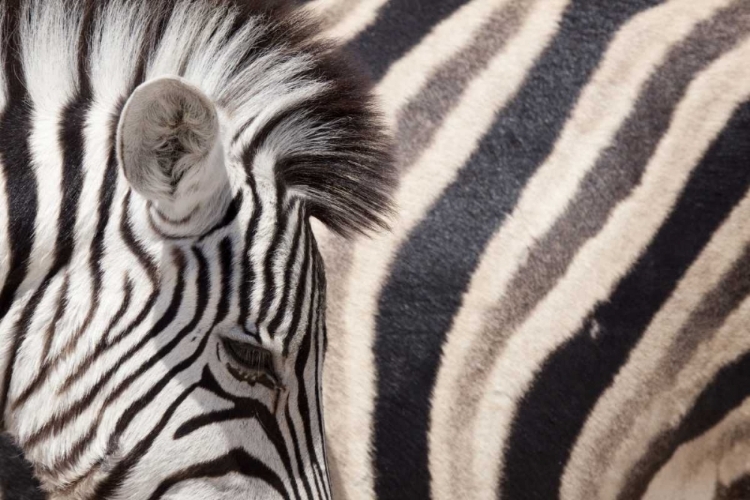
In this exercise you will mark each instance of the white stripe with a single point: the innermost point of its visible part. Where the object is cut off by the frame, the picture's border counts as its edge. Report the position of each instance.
(355, 21)
(636, 50)
(649, 356)
(698, 467)
(406, 77)
(603, 261)
(49, 47)
(350, 422)
(115, 52)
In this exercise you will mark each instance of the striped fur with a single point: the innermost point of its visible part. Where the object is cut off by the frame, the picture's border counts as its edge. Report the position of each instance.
(162, 298)
(560, 310)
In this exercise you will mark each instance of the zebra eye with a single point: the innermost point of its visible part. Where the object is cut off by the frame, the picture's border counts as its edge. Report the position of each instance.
(252, 364)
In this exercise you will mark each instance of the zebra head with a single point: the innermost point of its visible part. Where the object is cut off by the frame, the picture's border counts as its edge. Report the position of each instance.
(162, 307)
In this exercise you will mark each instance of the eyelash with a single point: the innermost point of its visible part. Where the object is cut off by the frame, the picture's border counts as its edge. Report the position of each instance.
(256, 363)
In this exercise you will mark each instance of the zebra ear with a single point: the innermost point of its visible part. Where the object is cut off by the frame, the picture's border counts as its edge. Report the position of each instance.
(169, 146)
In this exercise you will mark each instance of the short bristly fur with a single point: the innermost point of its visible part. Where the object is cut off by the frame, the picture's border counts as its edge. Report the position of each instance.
(159, 163)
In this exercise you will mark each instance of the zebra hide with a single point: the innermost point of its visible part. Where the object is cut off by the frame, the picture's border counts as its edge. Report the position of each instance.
(560, 310)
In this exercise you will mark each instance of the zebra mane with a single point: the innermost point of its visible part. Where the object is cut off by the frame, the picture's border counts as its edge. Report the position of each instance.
(287, 93)
(349, 183)
(342, 166)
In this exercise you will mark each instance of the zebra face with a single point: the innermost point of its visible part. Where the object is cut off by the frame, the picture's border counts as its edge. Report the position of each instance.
(165, 337)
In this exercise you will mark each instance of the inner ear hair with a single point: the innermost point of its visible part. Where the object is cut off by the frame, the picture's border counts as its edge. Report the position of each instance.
(170, 149)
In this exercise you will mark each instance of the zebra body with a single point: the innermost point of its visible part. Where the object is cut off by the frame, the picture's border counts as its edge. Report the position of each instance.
(561, 308)
(161, 293)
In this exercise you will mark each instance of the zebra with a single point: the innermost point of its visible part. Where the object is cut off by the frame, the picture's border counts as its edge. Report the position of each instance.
(560, 309)
(162, 297)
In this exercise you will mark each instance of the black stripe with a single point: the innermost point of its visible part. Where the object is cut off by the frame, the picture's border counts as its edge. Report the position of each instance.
(738, 490)
(62, 419)
(269, 288)
(231, 214)
(203, 285)
(76, 450)
(295, 446)
(106, 198)
(303, 403)
(322, 343)
(82, 368)
(226, 261)
(159, 15)
(554, 409)
(104, 339)
(111, 484)
(399, 26)
(114, 481)
(17, 481)
(311, 107)
(726, 392)
(244, 408)
(729, 387)
(299, 297)
(248, 271)
(237, 461)
(286, 283)
(72, 142)
(20, 183)
(62, 305)
(106, 342)
(134, 247)
(242, 129)
(433, 268)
